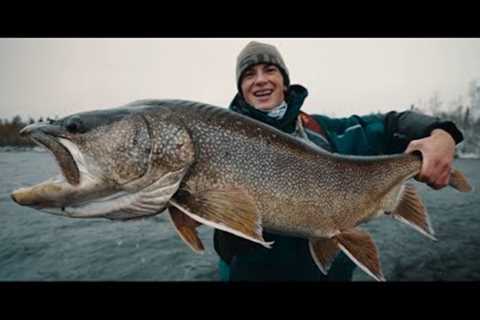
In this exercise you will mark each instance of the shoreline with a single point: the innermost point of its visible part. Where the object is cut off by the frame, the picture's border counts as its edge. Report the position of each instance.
(21, 149)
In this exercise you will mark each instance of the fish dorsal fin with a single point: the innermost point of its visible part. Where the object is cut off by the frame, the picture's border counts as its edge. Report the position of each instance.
(459, 181)
(359, 246)
(231, 210)
(187, 229)
(323, 252)
(411, 211)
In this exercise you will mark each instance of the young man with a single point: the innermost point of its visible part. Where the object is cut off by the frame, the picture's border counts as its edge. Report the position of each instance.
(265, 94)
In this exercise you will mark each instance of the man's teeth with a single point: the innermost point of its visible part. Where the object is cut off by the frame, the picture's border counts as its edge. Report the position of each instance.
(263, 93)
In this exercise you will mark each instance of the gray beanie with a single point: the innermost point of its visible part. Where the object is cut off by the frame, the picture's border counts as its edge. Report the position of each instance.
(256, 53)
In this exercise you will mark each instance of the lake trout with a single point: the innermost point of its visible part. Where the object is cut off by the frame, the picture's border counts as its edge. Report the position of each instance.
(210, 166)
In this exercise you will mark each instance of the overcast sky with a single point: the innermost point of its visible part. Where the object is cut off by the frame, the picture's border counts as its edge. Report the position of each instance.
(49, 77)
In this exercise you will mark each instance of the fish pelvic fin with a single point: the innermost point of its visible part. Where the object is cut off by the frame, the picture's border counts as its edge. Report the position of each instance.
(323, 252)
(231, 210)
(187, 229)
(411, 211)
(459, 181)
(360, 248)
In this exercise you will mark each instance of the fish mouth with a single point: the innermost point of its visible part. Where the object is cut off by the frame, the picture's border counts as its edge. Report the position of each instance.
(61, 153)
(73, 182)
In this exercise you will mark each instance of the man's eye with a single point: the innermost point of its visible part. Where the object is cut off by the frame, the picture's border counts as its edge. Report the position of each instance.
(271, 69)
(248, 74)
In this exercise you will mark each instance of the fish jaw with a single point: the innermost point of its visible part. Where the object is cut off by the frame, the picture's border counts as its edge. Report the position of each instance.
(119, 169)
(80, 180)
(124, 205)
(60, 198)
(56, 195)
(40, 195)
(48, 137)
(75, 183)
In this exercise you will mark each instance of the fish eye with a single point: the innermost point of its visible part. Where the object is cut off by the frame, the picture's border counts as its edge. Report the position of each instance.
(74, 125)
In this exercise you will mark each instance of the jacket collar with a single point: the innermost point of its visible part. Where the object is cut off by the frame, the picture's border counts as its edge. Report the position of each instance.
(295, 97)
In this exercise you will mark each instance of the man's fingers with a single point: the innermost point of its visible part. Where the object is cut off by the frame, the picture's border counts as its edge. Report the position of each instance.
(440, 177)
(440, 183)
(443, 179)
(426, 172)
(432, 173)
(413, 146)
(437, 157)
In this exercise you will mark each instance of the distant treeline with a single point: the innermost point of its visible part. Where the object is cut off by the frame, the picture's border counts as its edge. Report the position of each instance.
(469, 125)
(9, 132)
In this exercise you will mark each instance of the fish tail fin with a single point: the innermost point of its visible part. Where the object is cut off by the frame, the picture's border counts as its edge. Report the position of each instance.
(459, 181)
(411, 211)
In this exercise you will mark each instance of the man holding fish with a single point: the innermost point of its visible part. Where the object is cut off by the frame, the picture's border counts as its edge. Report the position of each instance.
(265, 94)
(285, 191)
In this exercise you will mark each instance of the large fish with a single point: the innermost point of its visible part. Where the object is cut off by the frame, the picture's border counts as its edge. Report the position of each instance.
(210, 166)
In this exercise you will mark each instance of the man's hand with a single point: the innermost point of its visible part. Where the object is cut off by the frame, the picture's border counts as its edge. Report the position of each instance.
(437, 152)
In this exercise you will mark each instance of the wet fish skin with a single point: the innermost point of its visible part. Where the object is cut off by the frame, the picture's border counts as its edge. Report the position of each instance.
(228, 171)
(299, 189)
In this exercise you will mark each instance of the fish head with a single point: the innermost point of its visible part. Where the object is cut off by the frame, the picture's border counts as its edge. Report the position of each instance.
(120, 163)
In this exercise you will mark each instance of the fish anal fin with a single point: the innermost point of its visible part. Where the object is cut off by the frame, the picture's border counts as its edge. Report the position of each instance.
(187, 229)
(459, 181)
(229, 209)
(411, 211)
(323, 252)
(359, 246)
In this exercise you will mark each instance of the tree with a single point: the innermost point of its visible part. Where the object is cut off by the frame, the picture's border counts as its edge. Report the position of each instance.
(17, 120)
(474, 96)
(435, 104)
(466, 119)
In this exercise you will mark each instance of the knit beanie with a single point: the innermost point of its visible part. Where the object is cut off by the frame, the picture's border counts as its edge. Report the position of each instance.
(257, 53)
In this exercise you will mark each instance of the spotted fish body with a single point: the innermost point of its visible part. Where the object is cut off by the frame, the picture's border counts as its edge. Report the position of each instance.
(211, 166)
(298, 189)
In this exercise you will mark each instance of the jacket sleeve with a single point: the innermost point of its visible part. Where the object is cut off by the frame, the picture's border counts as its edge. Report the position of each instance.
(403, 127)
(382, 133)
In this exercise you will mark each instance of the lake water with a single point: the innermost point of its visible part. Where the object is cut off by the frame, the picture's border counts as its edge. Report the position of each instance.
(38, 246)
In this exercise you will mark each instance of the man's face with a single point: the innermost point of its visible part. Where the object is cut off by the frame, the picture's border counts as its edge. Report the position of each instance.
(262, 86)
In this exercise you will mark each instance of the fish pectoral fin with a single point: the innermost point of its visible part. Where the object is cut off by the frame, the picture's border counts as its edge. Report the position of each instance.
(359, 246)
(459, 181)
(411, 211)
(323, 252)
(187, 229)
(231, 210)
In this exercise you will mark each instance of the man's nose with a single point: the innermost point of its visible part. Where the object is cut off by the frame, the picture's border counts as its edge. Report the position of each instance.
(260, 78)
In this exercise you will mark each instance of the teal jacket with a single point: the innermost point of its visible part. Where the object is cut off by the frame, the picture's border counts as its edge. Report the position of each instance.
(290, 259)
